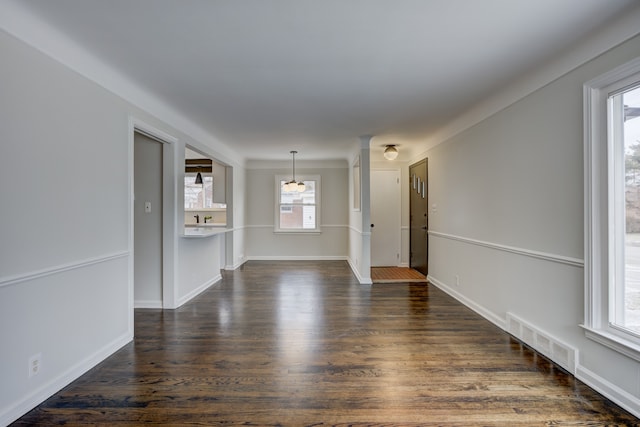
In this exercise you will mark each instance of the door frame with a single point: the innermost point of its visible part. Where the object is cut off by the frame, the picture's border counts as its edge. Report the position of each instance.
(169, 180)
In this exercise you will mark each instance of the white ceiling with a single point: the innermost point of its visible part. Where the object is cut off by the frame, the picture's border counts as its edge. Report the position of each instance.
(269, 76)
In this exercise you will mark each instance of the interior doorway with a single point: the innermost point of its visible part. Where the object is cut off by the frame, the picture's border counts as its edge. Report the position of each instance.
(418, 216)
(148, 221)
(385, 218)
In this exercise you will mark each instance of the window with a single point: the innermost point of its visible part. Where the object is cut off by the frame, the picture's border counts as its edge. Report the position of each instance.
(612, 209)
(198, 196)
(298, 211)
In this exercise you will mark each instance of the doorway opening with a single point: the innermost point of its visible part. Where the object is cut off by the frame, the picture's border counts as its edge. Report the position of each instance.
(164, 295)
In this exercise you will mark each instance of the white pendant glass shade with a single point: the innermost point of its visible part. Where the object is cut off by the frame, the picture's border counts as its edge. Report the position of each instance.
(391, 152)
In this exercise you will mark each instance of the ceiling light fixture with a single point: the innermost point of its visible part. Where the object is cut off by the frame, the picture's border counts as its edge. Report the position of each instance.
(391, 152)
(199, 178)
(292, 185)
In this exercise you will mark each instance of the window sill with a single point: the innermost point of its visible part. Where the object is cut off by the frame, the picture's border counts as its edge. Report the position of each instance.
(614, 342)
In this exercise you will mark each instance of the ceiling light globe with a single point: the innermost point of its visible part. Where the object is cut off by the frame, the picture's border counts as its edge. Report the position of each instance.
(300, 187)
(391, 152)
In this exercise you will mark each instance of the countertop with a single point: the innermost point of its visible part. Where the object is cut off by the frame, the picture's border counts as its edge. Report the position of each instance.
(200, 231)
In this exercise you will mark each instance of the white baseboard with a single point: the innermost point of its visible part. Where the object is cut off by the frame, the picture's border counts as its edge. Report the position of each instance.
(560, 353)
(197, 291)
(17, 409)
(297, 258)
(147, 304)
(490, 316)
(611, 391)
(362, 280)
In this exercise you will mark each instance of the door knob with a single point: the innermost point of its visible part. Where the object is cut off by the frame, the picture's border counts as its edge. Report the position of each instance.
(372, 225)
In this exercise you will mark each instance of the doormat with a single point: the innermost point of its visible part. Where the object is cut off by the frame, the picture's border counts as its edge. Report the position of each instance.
(396, 275)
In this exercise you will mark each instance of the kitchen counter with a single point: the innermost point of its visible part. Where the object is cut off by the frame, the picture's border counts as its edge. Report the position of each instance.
(201, 230)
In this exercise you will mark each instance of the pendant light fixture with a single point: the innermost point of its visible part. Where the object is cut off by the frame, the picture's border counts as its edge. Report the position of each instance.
(391, 152)
(199, 178)
(292, 185)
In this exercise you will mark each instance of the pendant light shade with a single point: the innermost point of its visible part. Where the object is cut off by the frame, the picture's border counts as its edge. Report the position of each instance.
(391, 152)
(292, 185)
(199, 178)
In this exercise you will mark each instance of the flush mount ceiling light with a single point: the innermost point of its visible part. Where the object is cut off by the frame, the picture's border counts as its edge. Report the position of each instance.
(391, 152)
(293, 185)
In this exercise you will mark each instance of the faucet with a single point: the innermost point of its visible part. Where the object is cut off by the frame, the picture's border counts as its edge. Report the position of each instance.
(206, 218)
(197, 217)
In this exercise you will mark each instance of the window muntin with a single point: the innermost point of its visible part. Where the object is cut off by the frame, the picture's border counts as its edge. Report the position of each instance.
(295, 211)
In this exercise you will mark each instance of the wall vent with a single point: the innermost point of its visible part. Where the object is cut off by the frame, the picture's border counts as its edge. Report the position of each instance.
(559, 352)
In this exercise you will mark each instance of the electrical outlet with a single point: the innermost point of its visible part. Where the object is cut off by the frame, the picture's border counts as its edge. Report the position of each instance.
(35, 364)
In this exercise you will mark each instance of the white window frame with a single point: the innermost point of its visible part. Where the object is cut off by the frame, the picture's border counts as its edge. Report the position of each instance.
(600, 219)
(318, 205)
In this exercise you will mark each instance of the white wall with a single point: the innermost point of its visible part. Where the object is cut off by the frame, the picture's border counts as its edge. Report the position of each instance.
(509, 222)
(66, 288)
(359, 240)
(263, 243)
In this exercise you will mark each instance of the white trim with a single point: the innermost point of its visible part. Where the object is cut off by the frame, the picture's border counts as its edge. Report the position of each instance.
(599, 221)
(12, 280)
(611, 391)
(270, 226)
(614, 342)
(197, 291)
(575, 262)
(296, 258)
(490, 316)
(354, 270)
(147, 303)
(15, 410)
(169, 206)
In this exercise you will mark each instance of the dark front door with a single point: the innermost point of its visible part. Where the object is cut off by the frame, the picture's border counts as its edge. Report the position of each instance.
(419, 225)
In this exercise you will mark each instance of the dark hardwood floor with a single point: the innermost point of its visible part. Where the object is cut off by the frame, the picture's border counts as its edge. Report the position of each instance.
(302, 344)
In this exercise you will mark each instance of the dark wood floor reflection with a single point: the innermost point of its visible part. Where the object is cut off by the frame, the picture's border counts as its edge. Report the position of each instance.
(302, 343)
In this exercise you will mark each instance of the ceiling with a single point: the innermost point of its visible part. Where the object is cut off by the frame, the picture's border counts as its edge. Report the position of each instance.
(269, 76)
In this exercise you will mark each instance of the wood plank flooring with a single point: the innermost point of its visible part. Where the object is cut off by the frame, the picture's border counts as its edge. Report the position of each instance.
(303, 344)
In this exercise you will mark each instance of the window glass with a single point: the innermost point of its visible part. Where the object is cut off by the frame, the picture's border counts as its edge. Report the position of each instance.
(198, 196)
(298, 211)
(625, 132)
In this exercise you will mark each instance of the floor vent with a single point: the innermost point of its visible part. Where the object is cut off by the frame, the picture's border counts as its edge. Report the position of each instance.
(562, 354)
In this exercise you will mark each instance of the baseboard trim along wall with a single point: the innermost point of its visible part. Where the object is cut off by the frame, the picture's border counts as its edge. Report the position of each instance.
(551, 347)
(575, 262)
(296, 258)
(147, 304)
(197, 291)
(490, 316)
(12, 280)
(611, 391)
(39, 395)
